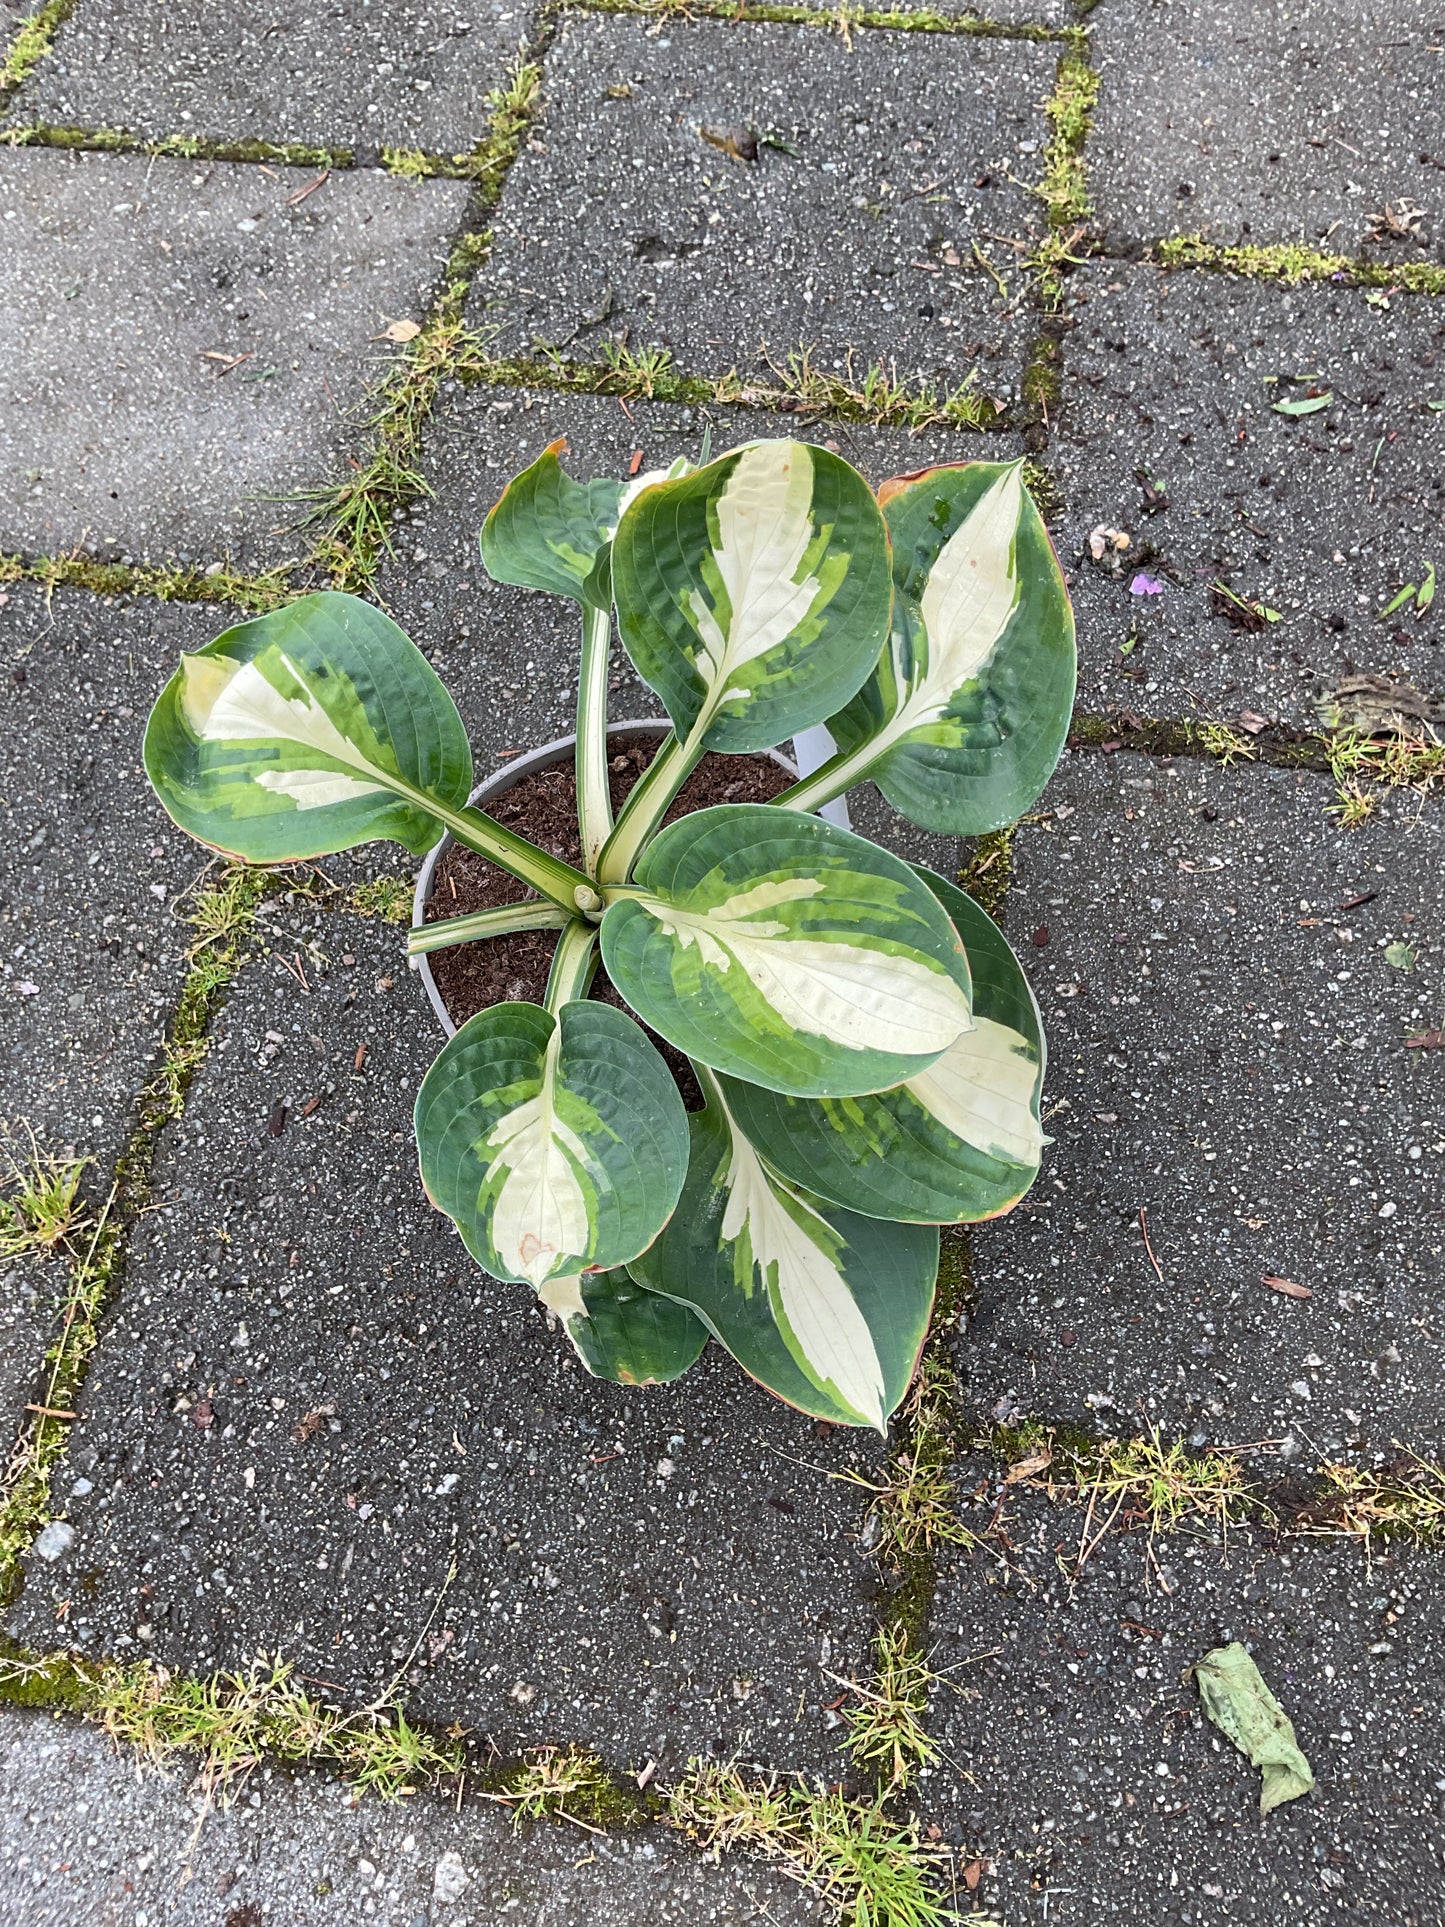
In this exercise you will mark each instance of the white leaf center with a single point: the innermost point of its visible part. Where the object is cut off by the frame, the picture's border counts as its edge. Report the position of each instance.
(804, 1283)
(764, 529)
(229, 702)
(982, 1090)
(539, 1212)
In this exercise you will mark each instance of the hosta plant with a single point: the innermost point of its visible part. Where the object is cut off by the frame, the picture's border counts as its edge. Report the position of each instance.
(868, 1049)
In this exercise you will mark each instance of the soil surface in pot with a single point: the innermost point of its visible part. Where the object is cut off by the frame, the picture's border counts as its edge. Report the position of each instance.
(543, 808)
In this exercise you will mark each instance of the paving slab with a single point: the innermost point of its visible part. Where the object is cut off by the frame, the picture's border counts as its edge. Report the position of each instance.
(185, 344)
(309, 1402)
(84, 1837)
(1226, 1053)
(1320, 517)
(620, 219)
(1078, 1767)
(350, 75)
(509, 656)
(1252, 124)
(93, 948)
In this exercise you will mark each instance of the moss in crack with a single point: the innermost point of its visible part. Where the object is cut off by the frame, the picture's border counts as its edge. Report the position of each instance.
(254, 593)
(843, 20)
(1043, 485)
(354, 516)
(389, 898)
(221, 915)
(1064, 188)
(989, 871)
(1292, 263)
(30, 43)
(119, 140)
(567, 1783)
(1278, 747)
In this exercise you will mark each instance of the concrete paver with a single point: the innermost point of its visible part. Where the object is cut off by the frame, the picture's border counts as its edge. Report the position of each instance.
(649, 1572)
(1227, 1053)
(1254, 125)
(85, 1839)
(622, 219)
(352, 75)
(185, 341)
(1077, 1764)
(1321, 518)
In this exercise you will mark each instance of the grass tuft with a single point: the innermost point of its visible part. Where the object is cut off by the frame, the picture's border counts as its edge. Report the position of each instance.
(1405, 1500)
(1225, 745)
(389, 898)
(232, 1721)
(886, 1733)
(914, 1502)
(40, 1203)
(566, 1783)
(871, 1868)
(1389, 761)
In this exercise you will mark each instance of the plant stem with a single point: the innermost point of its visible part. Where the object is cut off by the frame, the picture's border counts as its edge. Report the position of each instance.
(548, 875)
(839, 774)
(594, 801)
(646, 806)
(573, 963)
(499, 922)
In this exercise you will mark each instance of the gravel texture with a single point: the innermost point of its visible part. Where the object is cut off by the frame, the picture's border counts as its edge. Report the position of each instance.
(1080, 1771)
(1321, 517)
(509, 656)
(350, 75)
(90, 867)
(1226, 1054)
(621, 219)
(85, 1838)
(184, 343)
(1252, 124)
(310, 1402)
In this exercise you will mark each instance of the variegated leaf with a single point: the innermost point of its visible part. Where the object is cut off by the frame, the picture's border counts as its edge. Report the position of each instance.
(753, 594)
(309, 730)
(963, 721)
(826, 1309)
(622, 1332)
(548, 532)
(958, 1142)
(788, 952)
(555, 1144)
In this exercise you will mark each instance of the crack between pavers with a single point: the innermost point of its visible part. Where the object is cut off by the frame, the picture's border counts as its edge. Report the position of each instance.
(30, 44)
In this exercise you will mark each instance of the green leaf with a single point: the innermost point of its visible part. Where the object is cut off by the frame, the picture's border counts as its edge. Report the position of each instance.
(1249, 1716)
(826, 1309)
(965, 716)
(1427, 591)
(549, 532)
(1397, 601)
(622, 1332)
(1303, 405)
(309, 730)
(960, 1142)
(788, 952)
(1401, 956)
(555, 1145)
(753, 594)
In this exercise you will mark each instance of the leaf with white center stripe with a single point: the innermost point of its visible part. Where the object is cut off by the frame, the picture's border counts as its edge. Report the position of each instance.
(959, 1142)
(965, 716)
(548, 532)
(309, 730)
(788, 952)
(621, 1331)
(753, 594)
(555, 1144)
(826, 1309)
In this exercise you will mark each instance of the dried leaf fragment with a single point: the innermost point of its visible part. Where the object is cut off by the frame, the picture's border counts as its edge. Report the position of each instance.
(1249, 1716)
(399, 331)
(1287, 1288)
(738, 143)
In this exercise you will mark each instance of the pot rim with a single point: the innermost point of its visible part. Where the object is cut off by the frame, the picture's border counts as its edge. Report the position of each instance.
(546, 756)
